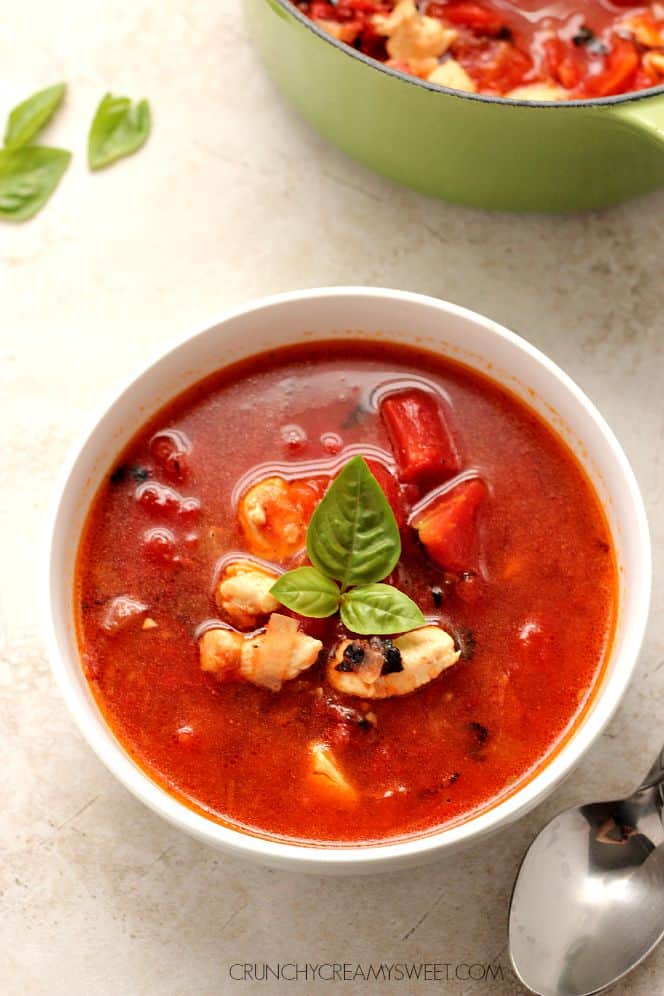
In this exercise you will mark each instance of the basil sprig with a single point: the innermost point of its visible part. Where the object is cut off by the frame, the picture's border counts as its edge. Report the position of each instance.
(29, 117)
(118, 129)
(30, 173)
(352, 539)
(28, 177)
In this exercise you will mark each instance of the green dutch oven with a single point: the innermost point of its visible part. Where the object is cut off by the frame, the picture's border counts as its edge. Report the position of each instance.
(486, 152)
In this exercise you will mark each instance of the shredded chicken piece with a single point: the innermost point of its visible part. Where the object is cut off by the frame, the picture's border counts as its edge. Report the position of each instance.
(243, 593)
(451, 74)
(411, 661)
(267, 659)
(413, 38)
(327, 775)
(538, 91)
(123, 612)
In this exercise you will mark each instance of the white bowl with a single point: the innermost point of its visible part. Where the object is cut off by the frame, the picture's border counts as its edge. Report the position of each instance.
(380, 315)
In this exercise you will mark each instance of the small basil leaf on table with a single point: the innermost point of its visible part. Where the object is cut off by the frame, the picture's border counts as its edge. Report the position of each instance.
(29, 117)
(379, 609)
(118, 129)
(28, 177)
(308, 592)
(353, 535)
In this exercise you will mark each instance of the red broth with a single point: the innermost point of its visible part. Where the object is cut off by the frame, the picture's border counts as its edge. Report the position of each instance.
(578, 49)
(533, 619)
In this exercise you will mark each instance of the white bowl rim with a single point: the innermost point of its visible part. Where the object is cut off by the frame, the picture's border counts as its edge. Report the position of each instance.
(375, 855)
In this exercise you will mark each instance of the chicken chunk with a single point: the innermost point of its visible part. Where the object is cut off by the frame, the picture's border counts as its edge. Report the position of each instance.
(243, 593)
(451, 74)
(122, 613)
(653, 62)
(279, 654)
(327, 776)
(538, 91)
(410, 661)
(645, 30)
(267, 659)
(413, 38)
(220, 652)
(274, 515)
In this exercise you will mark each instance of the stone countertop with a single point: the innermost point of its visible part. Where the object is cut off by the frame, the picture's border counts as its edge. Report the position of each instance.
(234, 197)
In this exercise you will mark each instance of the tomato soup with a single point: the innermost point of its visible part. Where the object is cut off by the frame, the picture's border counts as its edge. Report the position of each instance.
(304, 727)
(522, 49)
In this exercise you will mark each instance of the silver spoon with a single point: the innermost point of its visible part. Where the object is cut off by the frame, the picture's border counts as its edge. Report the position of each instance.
(588, 902)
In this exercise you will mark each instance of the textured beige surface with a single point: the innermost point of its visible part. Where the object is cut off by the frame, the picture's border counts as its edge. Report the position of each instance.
(233, 197)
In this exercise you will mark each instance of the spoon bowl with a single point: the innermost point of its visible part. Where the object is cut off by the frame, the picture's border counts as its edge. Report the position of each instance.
(588, 903)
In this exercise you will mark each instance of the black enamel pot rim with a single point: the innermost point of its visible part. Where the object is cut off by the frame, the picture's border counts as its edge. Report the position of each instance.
(621, 98)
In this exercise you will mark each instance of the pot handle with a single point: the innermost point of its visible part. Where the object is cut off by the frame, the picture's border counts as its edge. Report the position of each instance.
(644, 115)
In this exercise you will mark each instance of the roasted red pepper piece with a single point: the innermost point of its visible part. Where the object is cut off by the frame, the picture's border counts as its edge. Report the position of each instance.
(447, 528)
(564, 63)
(421, 442)
(620, 67)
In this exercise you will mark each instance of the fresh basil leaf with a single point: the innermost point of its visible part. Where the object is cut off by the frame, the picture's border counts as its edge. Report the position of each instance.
(308, 592)
(29, 117)
(28, 177)
(376, 609)
(118, 130)
(353, 535)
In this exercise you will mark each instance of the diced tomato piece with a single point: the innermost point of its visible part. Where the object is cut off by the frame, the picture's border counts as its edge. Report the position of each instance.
(422, 444)
(496, 66)
(162, 501)
(392, 491)
(170, 449)
(320, 11)
(473, 15)
(620, 67)
(448, 527)
(160, 545)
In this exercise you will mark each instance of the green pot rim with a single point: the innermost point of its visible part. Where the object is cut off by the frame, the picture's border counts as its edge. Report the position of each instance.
(621, 98)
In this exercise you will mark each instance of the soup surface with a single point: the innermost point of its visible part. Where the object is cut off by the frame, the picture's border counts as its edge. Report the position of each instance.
(504, 547)
(524, 49)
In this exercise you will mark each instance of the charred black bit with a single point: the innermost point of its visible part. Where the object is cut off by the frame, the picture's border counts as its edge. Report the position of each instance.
(465, 643)
(437, 595)
(480, 733)
(119, 474)
(505, 33)
(583, 35)
(393, 663)
(139, 473)
(391, 654)
(352, 658)
(454, 777)
(586, 36)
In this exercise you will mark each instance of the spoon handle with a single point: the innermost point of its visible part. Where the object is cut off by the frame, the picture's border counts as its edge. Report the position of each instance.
(656, 774)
